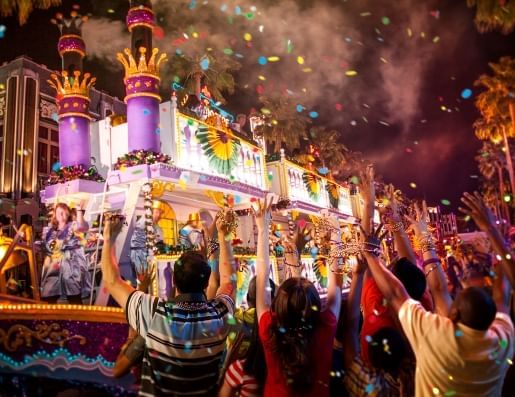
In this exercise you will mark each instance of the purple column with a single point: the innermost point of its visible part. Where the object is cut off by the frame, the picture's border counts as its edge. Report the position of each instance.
(143, 123)
(74, 141)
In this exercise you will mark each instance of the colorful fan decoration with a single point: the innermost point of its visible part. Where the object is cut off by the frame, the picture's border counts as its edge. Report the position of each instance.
(220, 148)
(320, 269)
(312, 183)
(334, 194)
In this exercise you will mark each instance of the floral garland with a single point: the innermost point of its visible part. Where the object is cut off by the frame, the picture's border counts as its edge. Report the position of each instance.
(138, 157)
(149, 226)
(72, 172)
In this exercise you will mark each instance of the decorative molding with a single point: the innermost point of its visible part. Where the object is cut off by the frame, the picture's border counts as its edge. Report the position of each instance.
(47, 109)
(2, 107)
(21, 336)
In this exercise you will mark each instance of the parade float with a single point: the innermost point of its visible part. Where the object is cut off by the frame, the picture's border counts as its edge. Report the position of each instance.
(167, 155)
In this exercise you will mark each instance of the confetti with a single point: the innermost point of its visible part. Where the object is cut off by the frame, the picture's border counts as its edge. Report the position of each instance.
(368, 338)
(228, 51)
(146, 112)
(351, 73)
(338, 106)
(247, 37)
(300, 108)
(204, 63)
(384, 123)
(369, 388)
(445, 202)
(436, 39)
(313, 114)
(466, 93)
(449, 393)
(353, 122)
(262, 60)
(436, 391)
(2, 86)
(458, 333)
(385, 20)
(56, 167)
(300, 60)
(413, 185)
(365, 14)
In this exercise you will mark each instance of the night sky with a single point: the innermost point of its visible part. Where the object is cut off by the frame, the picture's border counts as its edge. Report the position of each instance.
(388, 75)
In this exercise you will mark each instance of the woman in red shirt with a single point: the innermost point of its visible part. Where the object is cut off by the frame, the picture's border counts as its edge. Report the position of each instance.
(297, 334)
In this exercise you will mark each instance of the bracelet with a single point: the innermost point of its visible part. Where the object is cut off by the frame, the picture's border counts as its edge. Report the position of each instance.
(395, 227)
(339, 272)
(212, 246)
(430, 261)
(432, 268)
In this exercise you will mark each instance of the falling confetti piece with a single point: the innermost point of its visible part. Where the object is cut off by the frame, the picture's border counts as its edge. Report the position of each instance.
(55, 117)
(466, 93)
(365, 14)
(204, 63)
(262, 60)
(413, 185)
(56, 167)
(369, 388)
(384, 123)
(289, 46)
(307, 70)
(228, 51)
(261, 77)
(436, 391)
(409, 31)
(436, 39)
(300, 60)
(313, 114)
(146, 112)
(273, 59)
(351, 73)
(300, 108)
(368, 338)
(338, 106)
(445, 202)
(110, 11)
(265, 111)
(247, 37)
(458, 333)
(383, 60)
(353, 122)
(2, 31)
(354, 180)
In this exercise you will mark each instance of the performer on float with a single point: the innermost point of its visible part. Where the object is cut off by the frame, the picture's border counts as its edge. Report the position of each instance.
(139, 250)
(191, 236)
(65, 269)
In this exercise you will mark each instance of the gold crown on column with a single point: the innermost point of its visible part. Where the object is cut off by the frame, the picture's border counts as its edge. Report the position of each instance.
(131, 67)
(67, 85)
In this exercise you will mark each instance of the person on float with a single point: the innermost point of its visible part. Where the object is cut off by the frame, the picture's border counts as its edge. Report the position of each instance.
(65, 268)
(191, 236)
(139, 250)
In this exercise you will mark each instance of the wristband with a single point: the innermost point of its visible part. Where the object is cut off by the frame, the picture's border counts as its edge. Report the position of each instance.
(432, 268)
(430, 261)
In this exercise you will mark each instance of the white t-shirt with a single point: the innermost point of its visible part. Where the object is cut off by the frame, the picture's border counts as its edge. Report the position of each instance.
(453, 359)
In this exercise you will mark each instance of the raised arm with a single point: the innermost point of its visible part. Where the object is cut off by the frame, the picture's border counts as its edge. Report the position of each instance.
(119, 289)
(396, 226)
(263, 218)
(368, 194)
(81, 224)
(485, 220)
(432, 265)
(227, 266)
(334, 289)
(389, 285)
(351, 334)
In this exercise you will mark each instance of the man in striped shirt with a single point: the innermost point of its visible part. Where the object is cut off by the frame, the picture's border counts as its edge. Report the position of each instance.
(184, 337)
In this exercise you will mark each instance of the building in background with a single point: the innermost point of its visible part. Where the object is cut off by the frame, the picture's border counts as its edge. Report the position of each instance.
(29, 136)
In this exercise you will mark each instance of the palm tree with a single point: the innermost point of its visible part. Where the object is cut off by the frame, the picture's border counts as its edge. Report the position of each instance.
(491, 162)
(494, 15)
(214, 71)
(497, 108)
(283, 124)
(332, 152)
(24, 7)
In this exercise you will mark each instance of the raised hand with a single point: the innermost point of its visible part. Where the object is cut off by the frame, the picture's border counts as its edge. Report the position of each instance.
(478, 211)
(366, 184)
(262, 213)
(392, 202)
(112, 226)
(418, 221)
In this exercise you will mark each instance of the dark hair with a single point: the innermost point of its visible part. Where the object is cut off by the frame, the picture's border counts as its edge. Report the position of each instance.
(251, 293)
(476, 308)
(411, 277)
(296, 308)
(387, 349)
(191, 272)
(255, 363)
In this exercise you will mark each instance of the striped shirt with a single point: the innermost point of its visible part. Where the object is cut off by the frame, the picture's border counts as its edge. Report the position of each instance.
(184, 340)
(245, 384)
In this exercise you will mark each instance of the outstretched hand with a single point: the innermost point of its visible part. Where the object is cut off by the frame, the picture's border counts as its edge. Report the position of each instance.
(112, 227)
(418, 221)
(480, 213)
(262, 210)
(392, 202)
(366, 184)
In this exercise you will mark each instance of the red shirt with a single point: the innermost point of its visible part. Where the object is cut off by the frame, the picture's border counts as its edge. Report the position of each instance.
(321, 351)
(377, 314)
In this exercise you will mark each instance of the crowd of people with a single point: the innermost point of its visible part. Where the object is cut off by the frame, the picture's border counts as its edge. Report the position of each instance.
(405, 328)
